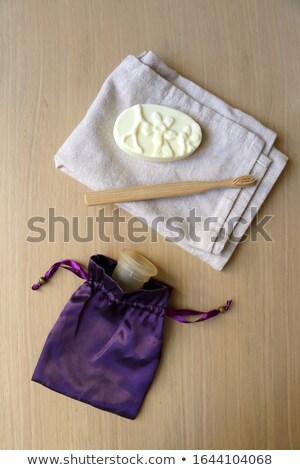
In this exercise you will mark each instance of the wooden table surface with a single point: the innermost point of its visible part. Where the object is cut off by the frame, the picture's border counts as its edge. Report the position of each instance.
(229, 383)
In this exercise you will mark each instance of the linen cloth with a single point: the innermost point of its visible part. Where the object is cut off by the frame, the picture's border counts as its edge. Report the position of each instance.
(233, 144)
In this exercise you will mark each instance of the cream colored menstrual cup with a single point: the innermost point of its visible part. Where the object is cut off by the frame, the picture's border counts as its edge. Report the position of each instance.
(133, 270)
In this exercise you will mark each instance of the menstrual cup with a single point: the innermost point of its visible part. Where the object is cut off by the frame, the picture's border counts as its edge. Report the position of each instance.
(133, 270)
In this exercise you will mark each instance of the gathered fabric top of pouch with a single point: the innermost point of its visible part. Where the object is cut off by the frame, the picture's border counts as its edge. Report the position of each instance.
(154, 294)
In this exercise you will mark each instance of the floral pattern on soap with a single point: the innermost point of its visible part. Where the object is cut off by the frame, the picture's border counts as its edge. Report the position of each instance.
(158, 134)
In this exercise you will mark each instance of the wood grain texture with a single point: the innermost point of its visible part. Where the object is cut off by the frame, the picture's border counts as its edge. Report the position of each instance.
(229, 383)
(157, 191)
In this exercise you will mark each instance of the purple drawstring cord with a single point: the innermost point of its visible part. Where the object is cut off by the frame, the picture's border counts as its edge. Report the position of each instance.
(68, 264)
(175, 314)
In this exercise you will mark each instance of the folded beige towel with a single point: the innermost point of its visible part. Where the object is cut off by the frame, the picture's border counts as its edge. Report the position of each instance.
(233, 144)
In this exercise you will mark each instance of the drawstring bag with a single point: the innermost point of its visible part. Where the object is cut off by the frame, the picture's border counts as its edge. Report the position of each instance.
(105, 347)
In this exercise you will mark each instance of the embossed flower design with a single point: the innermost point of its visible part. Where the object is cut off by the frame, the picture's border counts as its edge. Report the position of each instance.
(162, 133)
(190, 138)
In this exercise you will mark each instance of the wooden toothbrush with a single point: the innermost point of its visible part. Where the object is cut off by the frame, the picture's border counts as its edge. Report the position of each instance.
(157, 191)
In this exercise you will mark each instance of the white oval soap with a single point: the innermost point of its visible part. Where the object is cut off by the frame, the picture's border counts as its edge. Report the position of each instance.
(156, 133)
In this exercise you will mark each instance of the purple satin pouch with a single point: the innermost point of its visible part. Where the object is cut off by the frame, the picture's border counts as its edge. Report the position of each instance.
(105, 347)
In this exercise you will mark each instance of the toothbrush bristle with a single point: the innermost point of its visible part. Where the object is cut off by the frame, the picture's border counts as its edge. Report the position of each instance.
(243, 181)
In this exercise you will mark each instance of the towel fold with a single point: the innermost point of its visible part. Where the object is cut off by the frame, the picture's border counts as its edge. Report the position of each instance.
(233, 144)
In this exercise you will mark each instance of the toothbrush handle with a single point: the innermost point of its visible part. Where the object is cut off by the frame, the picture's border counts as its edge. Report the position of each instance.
(156, 191)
